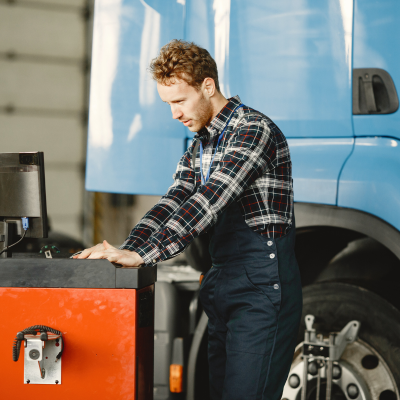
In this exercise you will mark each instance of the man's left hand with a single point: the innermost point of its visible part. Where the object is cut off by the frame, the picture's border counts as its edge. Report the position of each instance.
(127, 258)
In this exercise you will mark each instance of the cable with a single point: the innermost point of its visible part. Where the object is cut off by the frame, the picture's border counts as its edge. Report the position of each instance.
(34, 330)
(11, 245)
(25, 226)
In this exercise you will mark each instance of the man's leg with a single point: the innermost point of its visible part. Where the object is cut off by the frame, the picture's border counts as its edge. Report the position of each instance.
(259, 334)
(216, 335)
(288, 328)
(216, 358)
(252, 321)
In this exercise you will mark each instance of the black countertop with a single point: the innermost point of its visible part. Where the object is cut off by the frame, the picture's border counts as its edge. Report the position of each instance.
(72, 273)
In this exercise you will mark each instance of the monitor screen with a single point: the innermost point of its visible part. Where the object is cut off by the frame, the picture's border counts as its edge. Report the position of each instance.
(22, 194)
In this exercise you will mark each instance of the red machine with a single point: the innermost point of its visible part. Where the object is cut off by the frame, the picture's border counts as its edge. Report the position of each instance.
(100, 318)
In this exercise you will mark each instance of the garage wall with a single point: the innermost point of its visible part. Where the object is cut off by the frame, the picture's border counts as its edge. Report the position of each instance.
(44, 67)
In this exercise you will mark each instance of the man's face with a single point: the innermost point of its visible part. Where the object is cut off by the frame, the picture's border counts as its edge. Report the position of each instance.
(189, 106)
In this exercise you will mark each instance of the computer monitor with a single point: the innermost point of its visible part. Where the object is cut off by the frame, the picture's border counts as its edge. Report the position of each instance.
(22, 194)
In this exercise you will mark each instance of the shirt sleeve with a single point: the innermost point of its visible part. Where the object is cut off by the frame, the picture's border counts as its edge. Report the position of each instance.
(251, 150)
(182, 188)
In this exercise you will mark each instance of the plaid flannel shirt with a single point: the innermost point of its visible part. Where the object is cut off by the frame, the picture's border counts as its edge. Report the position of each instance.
(252, 166)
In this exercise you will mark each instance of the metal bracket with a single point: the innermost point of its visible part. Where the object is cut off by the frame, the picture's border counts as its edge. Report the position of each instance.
(40, 363)
(309, 320)
(326, 351)
(346, 336)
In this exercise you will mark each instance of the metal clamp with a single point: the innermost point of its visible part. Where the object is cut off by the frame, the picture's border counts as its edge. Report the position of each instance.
(325, 352)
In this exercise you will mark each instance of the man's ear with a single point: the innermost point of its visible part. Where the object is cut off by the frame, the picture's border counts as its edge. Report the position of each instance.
(209, 86)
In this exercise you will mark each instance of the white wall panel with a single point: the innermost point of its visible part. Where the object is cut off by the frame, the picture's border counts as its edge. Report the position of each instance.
(45, 86)
(64, 189)
(74, 3)
(68, 225)
(61, 139)
(45, 83)
(42, 32)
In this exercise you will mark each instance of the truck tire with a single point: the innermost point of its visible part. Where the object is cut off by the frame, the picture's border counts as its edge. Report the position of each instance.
(197, 253)
(334, 304)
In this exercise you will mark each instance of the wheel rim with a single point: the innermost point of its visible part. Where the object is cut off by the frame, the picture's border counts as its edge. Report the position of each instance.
(361, 374)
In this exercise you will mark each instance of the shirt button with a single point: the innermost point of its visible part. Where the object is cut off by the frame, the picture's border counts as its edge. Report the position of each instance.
(276, 286)
(272, 255)
(269, 243)
(154, 261)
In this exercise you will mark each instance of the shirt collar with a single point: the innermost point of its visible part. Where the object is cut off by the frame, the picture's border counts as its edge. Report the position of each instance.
(219, 121)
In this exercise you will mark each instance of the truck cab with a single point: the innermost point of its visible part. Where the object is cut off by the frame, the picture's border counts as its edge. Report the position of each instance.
(326, 73)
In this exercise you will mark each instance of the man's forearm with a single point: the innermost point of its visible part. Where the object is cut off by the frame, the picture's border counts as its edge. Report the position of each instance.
(182, 188)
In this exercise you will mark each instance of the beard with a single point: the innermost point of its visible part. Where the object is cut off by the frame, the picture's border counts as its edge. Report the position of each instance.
(203, 116)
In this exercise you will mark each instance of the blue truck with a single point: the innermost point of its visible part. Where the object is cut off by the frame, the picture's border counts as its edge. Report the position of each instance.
(326, 73)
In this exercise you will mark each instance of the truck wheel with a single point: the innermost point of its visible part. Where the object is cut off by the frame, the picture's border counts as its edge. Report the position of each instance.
(197, 253)
(369, 368)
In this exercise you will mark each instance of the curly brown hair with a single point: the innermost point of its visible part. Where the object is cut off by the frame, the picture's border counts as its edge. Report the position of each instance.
(185, 61)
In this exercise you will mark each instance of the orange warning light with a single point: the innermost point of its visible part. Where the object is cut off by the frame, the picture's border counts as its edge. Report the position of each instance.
(176, 378)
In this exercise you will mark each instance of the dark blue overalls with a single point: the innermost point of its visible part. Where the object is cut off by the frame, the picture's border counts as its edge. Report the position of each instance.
(253, 299)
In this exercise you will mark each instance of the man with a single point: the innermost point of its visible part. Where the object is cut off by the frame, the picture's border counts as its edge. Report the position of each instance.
(240, 191)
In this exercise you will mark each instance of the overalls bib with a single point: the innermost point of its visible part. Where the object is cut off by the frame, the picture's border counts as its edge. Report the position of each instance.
(252, 296)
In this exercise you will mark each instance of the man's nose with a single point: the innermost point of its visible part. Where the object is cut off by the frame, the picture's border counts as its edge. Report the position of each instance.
(176, 113)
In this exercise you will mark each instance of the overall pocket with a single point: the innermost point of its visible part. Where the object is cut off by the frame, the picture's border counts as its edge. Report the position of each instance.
(265, 278)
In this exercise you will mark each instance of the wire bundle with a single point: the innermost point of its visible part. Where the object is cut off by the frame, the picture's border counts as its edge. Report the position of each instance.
(34, 330)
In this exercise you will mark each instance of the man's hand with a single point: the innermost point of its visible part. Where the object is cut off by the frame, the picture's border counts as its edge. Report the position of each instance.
(127, 258)
(87, 252)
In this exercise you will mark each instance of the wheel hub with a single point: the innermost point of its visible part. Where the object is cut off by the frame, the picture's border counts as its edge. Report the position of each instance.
(359, 374)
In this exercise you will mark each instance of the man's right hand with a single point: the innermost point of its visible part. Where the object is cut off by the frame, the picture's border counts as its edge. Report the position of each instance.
(87, 252)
